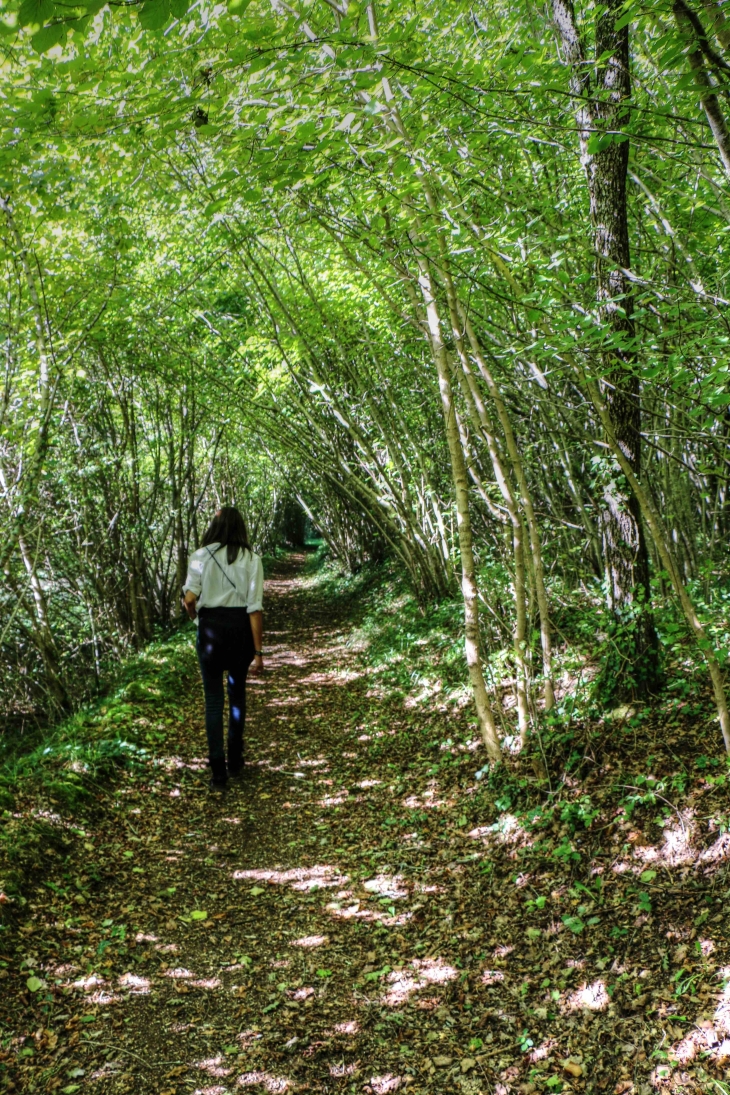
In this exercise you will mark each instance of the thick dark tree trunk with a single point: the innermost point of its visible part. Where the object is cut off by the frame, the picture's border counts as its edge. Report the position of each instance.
(603, 92)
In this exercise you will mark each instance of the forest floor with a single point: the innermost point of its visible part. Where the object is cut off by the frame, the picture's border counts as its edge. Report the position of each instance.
(359, 914)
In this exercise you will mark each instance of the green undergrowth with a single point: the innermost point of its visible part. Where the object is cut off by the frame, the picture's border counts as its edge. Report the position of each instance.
(590, 645)
(71, 754)
(415, 651)
(72, 767)
(583, 766)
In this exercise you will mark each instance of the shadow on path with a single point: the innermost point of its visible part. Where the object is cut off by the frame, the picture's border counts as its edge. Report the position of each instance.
(339, 920)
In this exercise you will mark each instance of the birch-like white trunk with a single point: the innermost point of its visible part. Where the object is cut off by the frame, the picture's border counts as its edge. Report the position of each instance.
(469, 587)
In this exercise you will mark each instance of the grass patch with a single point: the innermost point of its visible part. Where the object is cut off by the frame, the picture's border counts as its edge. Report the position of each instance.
(415, 651)
(74, 762)
(65, 762)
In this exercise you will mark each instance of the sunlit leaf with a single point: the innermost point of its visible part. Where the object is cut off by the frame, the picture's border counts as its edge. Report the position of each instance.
(49, 36)
(154, 14)
(34, 12)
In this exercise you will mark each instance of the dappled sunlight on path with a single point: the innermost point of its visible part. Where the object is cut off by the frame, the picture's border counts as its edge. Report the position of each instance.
(341, 920)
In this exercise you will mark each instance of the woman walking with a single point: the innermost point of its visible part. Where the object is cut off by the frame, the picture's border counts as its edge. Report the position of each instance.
(224, 594)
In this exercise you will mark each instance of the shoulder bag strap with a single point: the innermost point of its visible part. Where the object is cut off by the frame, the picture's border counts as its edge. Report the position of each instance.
(226, 576)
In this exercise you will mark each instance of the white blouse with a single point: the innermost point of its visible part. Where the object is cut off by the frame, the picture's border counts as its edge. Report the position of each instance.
(218, 584)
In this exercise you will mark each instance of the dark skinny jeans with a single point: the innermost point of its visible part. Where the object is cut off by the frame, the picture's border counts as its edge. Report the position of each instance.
(225, 642)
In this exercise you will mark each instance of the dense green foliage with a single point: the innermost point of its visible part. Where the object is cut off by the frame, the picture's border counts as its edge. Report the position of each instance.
(359, 259)
(447, 283)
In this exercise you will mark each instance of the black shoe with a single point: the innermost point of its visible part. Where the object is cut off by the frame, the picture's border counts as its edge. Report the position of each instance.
(235, 758)
(218, 777)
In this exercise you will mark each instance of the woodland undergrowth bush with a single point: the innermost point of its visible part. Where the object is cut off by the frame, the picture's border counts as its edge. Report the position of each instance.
(416, 649)
(70, 768)
(413, 649)
(582, 766)
(591, 649)
(142, 681)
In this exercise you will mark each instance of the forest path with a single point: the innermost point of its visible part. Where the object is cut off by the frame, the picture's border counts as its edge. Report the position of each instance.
(343, 920)
(269, 936)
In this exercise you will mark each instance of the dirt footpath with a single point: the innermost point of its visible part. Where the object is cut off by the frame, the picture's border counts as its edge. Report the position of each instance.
(343, 919)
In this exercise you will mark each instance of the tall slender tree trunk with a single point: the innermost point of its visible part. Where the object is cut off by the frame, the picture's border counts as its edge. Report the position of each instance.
(139, 604)
(42, 632)
(688, 24)
(533, 529)
(47, 383)
(602, 112)
(484, 428)
(469, 588)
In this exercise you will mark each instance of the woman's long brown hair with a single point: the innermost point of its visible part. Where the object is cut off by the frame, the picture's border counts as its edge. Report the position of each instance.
(228, 529)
